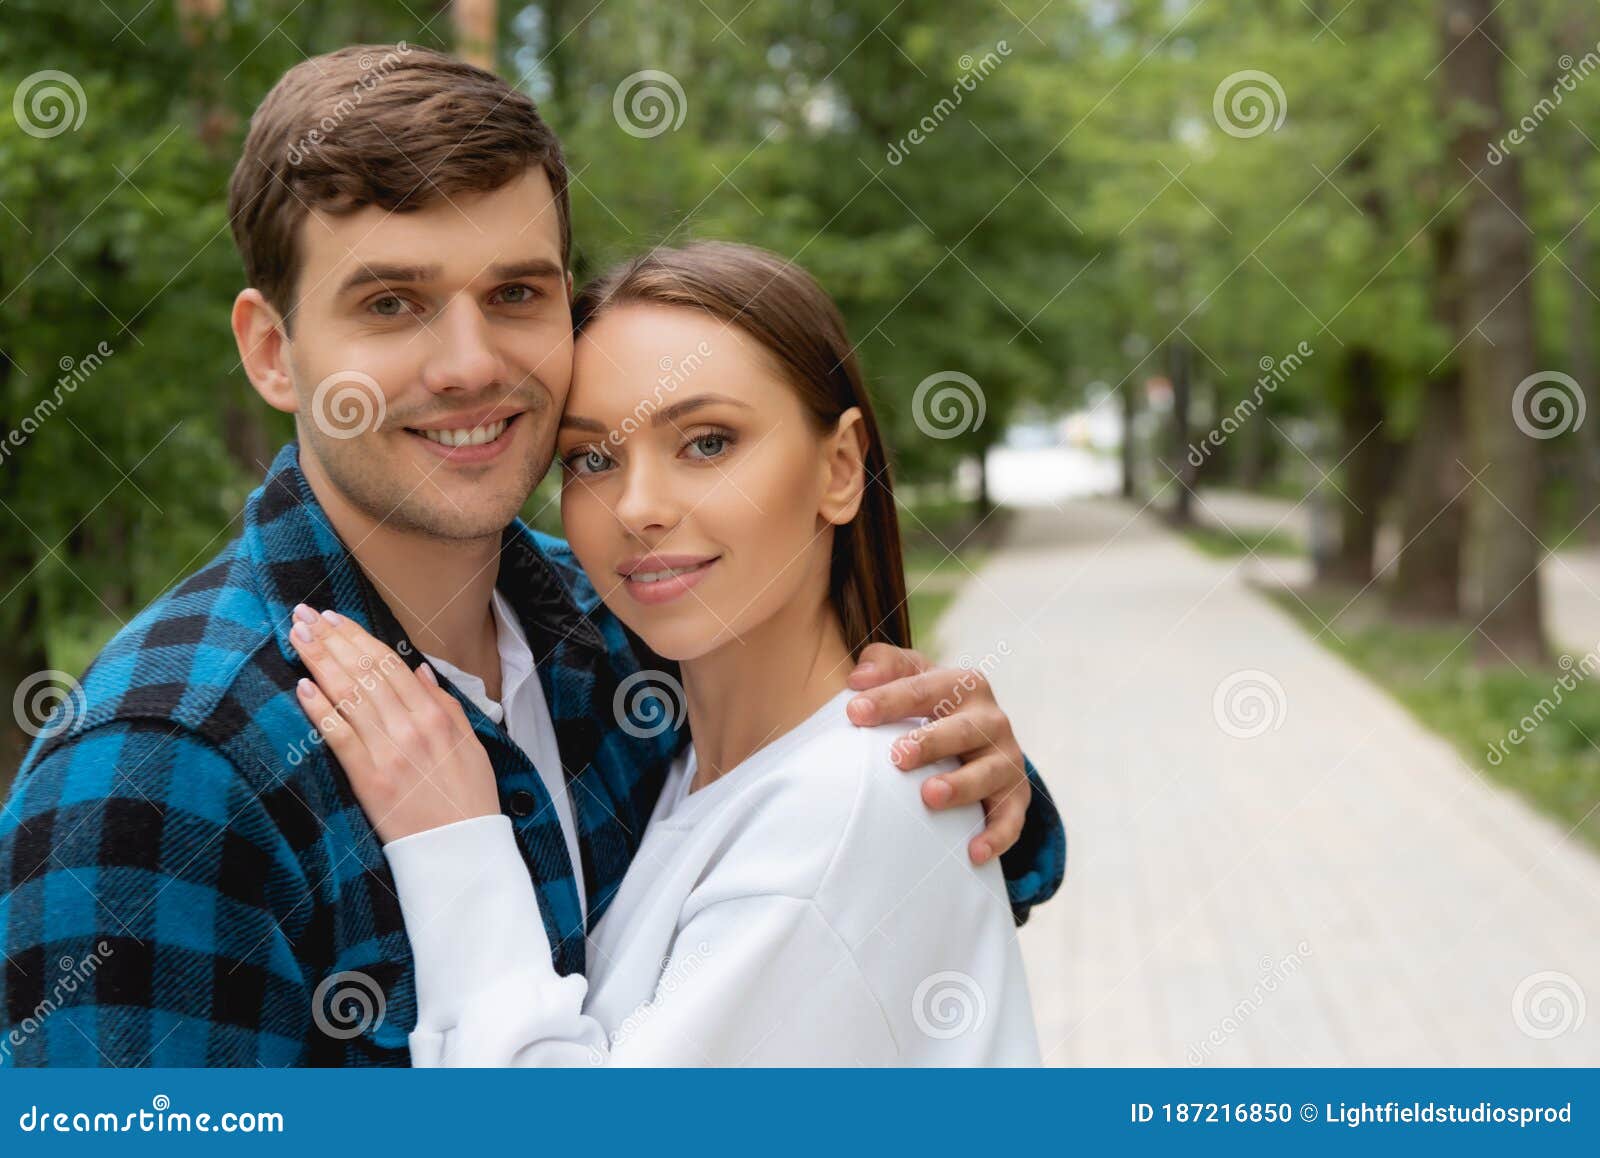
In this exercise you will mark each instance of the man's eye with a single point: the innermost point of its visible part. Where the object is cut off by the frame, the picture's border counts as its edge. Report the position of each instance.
(389, 306)
(519, 295)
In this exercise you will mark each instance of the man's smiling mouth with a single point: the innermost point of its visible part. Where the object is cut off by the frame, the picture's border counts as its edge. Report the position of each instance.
(469, 438)
(466, 435)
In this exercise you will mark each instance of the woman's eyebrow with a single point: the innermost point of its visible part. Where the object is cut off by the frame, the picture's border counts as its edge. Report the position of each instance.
(678, 409)
(663, 415)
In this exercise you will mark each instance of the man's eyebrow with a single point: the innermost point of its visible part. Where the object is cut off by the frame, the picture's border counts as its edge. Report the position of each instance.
(394, 273)
(665, 414)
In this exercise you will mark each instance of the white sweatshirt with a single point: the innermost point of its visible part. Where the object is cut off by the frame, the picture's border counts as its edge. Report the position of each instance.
(804, 909)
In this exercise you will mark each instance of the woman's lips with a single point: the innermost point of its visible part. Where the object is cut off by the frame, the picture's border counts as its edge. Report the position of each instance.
(665, 590)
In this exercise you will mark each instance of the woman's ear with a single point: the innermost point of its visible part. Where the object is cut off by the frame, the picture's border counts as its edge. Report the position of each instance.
(263, 349)
(844, 468)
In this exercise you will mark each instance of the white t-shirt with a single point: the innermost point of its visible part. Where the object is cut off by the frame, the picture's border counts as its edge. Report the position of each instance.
(523, 713)
(804, 909)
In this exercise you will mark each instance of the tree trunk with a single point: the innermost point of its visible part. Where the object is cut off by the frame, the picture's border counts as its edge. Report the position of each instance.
(1364, 451)
(1130, 458)
(474, 22)
(1178, 370)
(1433, 497)
(1497, 351)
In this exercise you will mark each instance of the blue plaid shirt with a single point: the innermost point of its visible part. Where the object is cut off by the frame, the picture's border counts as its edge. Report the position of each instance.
(187, 878)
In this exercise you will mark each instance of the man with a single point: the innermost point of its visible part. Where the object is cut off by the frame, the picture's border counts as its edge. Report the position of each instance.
(180, 826)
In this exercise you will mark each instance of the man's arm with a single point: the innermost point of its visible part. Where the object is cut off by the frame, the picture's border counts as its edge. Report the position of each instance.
(965, 722)
(135, 871)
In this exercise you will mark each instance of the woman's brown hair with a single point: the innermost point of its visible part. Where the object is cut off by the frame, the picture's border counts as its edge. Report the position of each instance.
(783, 308)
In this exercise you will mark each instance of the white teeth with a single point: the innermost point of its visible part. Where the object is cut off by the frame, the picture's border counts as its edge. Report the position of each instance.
(657, 576)
(467, 436)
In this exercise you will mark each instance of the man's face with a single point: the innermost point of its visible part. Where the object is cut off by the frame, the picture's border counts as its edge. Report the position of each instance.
(431, 353)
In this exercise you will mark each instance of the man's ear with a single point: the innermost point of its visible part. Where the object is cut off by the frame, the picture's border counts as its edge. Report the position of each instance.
(263, 349)
(844, 468)
(569, 285)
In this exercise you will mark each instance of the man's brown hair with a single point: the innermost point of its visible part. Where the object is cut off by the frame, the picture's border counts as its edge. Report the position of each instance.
(390, 125)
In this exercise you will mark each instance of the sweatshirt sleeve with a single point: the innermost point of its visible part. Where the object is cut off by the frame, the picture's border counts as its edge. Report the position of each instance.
(750, 980)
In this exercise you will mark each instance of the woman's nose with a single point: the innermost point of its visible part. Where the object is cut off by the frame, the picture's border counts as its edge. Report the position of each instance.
(646, 502)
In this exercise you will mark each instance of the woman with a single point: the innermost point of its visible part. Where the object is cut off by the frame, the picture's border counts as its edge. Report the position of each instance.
(792, 902)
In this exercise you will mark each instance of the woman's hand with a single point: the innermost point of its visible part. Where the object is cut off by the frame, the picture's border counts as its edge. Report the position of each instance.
(404, 742)
(966, 722)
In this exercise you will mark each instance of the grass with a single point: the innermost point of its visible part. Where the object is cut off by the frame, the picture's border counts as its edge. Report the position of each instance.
(944, 543)
(1227, 544)
(1535, 732)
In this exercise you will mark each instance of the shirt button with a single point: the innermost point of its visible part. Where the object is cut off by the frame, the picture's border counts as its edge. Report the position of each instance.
(521, 802)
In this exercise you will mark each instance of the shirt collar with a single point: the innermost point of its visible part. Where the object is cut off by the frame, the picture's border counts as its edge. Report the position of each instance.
(299, 558)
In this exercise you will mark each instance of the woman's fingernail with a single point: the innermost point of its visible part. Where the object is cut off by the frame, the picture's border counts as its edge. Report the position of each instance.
(981, 852)
(305, 687)
(333, 617)
(301, 633)
(865, 669)
(425, 673)
(905, 753)
(942, 792)
(861, 710)
(304, 614)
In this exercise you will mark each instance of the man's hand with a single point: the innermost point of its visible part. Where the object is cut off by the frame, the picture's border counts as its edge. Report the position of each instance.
(967, 723)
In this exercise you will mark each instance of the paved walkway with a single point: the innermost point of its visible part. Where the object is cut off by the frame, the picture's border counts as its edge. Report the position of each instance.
(1339, 889)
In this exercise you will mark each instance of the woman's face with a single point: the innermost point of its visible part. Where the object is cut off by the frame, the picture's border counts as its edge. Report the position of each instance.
(697, 491)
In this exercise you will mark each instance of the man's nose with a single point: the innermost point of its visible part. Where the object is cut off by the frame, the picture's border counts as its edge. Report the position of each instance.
(463, 357)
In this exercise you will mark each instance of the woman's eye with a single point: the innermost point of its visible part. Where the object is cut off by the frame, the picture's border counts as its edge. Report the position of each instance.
(588, 460)
(709, 445)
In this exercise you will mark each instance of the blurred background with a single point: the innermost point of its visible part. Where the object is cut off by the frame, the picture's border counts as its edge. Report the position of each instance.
(1238, 358)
